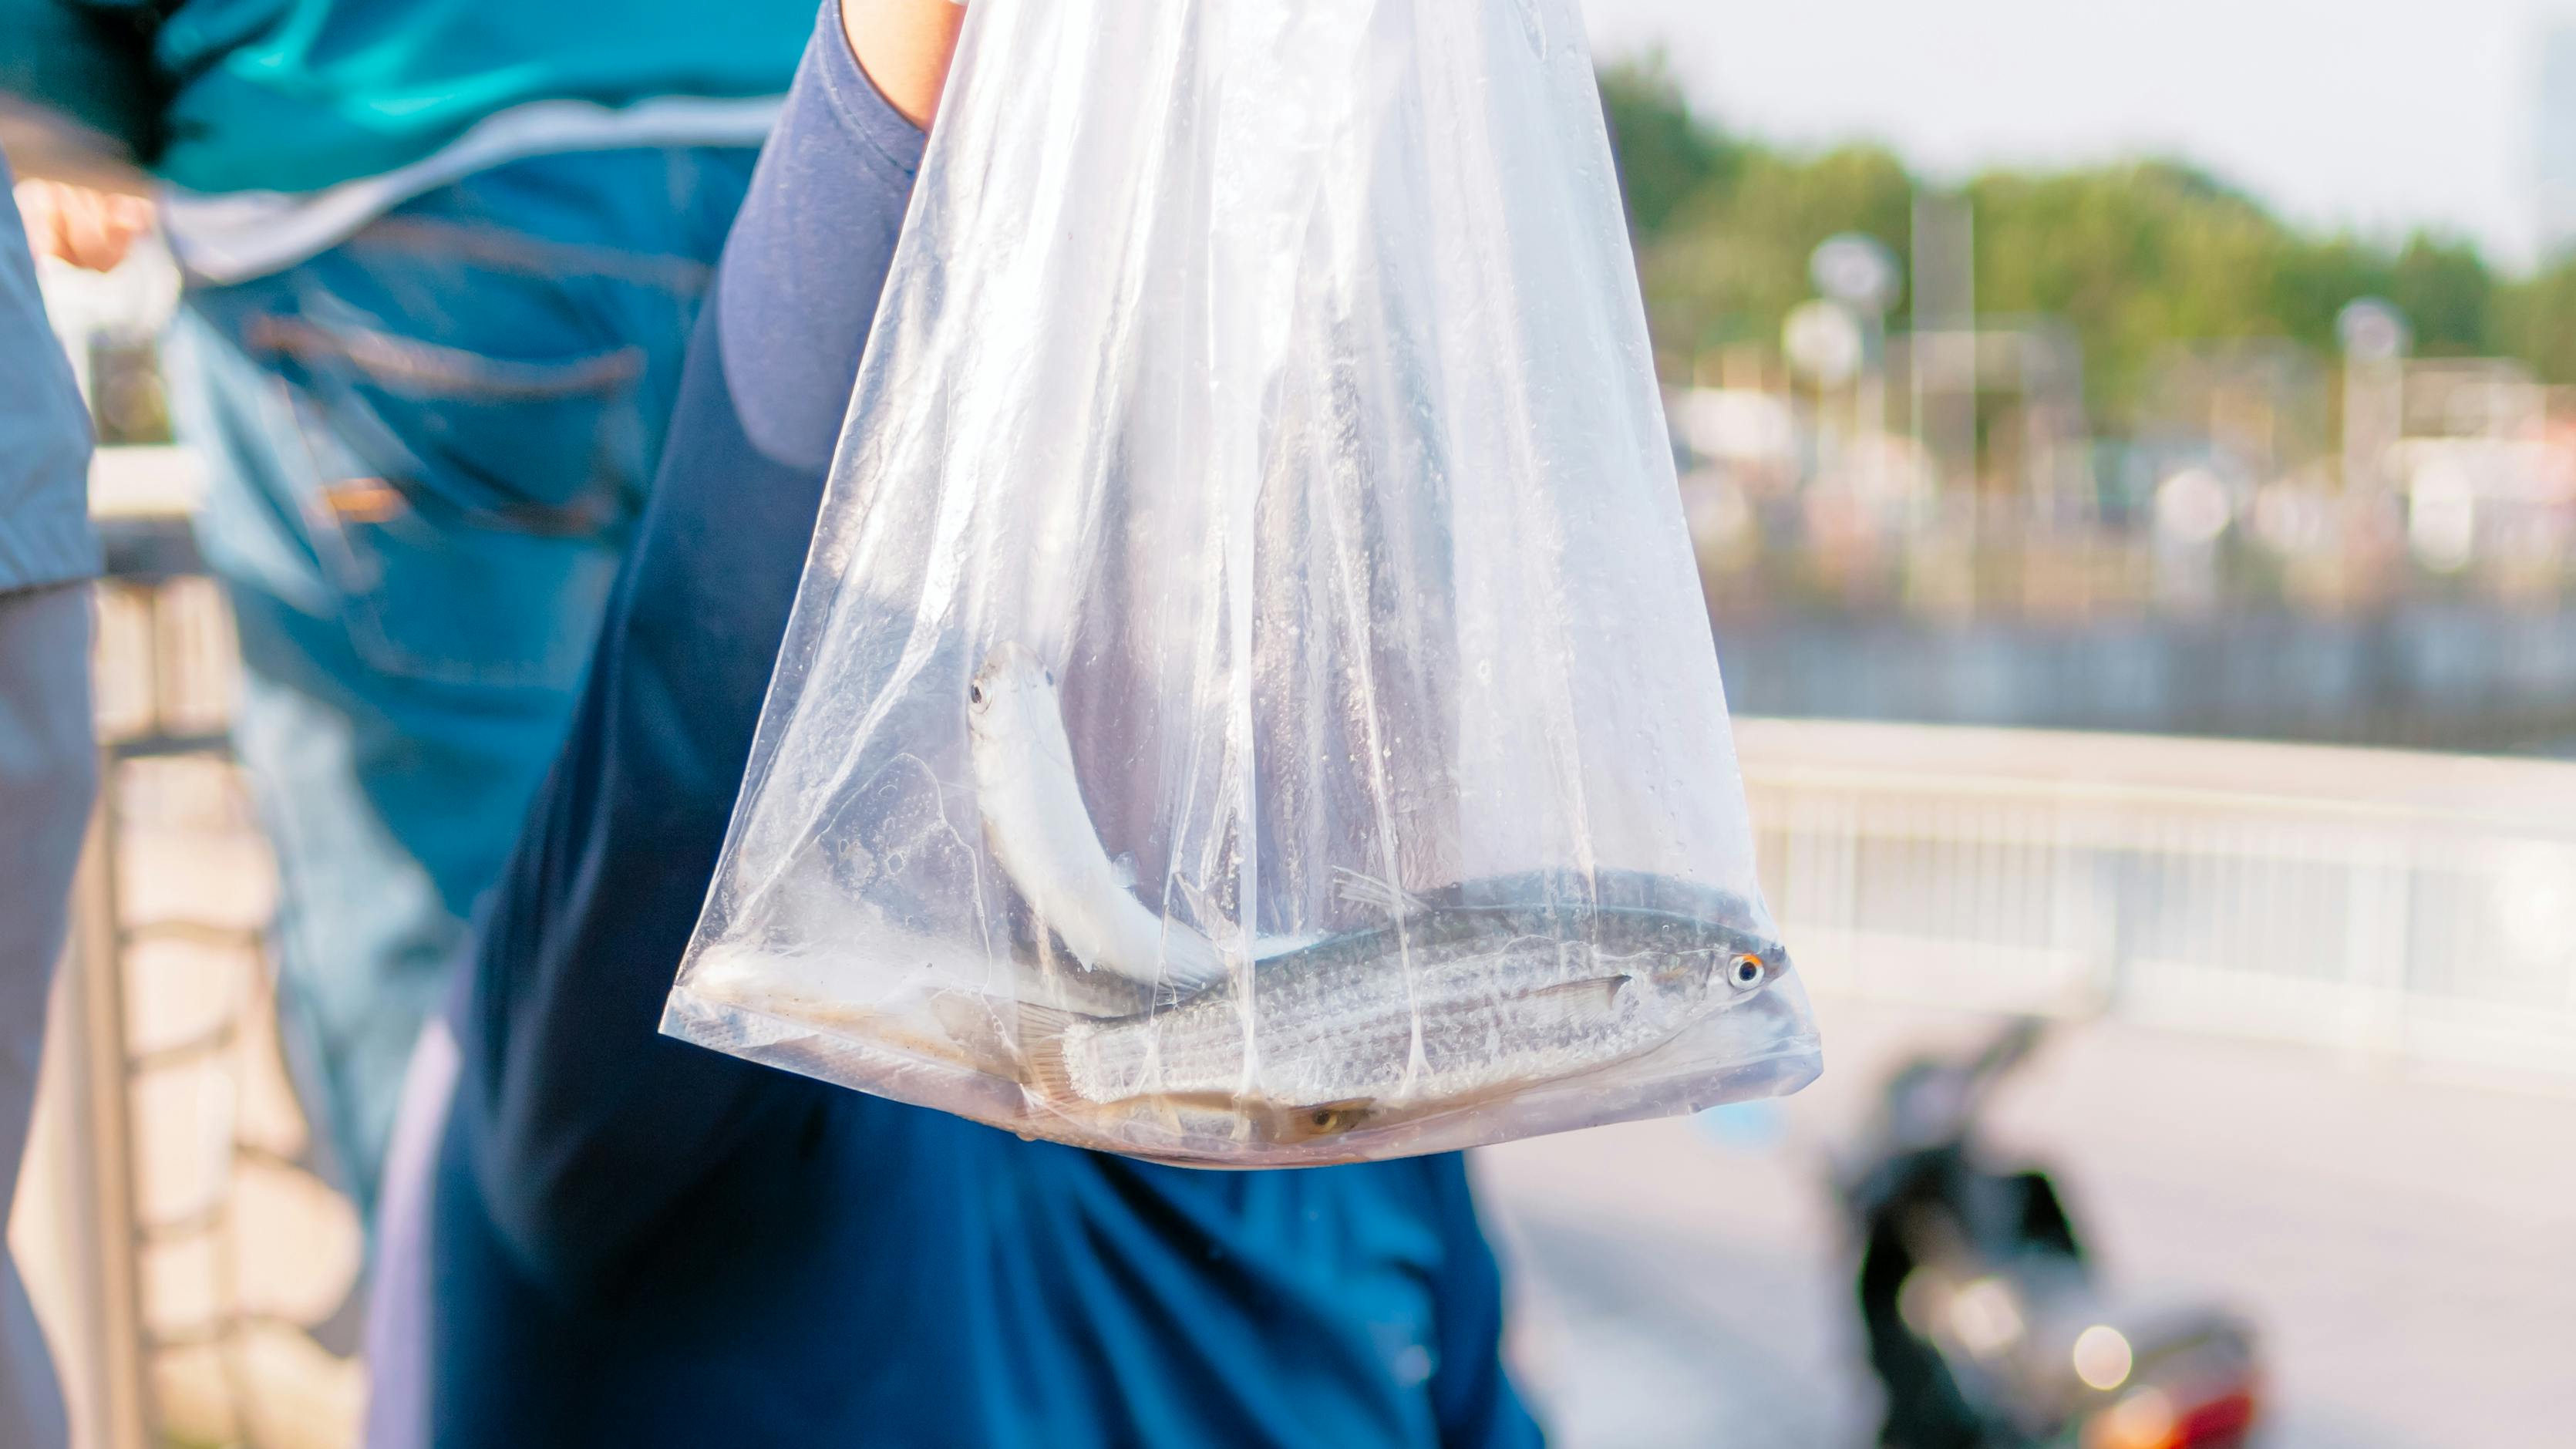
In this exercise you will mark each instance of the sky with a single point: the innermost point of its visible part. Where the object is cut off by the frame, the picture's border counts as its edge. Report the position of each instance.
(2382, 115)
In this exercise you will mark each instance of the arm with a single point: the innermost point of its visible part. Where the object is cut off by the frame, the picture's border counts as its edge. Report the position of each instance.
(905, 46)
(585, 1129)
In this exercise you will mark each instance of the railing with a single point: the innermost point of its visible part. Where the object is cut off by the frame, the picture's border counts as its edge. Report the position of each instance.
(2415, 907)
(183, 1251)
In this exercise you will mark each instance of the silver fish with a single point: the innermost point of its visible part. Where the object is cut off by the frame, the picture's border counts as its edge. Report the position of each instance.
(1458, 999)
(1041, 832)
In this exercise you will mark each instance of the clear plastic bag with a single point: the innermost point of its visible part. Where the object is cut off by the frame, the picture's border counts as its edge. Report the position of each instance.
(1250, 701)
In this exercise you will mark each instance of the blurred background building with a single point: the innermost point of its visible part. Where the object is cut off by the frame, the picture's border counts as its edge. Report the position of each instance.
(2124, 399)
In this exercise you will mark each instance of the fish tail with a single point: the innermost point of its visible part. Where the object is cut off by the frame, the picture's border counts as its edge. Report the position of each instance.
(1046, 1071)
(1190, 959)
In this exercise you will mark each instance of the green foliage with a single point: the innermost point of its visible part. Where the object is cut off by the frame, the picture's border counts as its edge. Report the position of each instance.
(2535, 320)
(2448, 294)
(2132, 257)
(1665, 154)
(1733, 260)
(2135, 257)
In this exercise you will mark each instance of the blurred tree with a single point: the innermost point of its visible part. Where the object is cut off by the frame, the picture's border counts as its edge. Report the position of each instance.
(2535, 320)
(1733, 259)
(1724, 228)
(1665, 153)
(2317, 281)
(2136, 257)
(2133, 257)
(2448, 296)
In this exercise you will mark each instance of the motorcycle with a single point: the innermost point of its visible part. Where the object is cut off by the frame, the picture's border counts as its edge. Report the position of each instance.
(1986, 1323)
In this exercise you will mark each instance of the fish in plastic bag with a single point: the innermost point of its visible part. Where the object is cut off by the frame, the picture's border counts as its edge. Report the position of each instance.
(1250, 702)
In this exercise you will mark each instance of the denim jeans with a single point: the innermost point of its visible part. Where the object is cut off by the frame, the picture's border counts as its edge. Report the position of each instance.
(428, 448)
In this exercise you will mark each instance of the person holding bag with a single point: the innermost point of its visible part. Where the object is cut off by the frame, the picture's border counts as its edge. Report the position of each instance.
(597, 1235)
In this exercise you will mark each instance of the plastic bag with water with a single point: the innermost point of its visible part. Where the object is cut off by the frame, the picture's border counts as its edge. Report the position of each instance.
(1250, 700)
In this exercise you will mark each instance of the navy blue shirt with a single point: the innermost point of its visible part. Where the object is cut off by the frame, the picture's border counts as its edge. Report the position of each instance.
(640, 1243)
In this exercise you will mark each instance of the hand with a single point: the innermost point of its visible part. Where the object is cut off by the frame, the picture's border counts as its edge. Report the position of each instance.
(904, 46)
(89, 229)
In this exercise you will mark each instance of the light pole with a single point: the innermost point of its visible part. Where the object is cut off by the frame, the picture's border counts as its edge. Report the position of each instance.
(2375, 339)
(1859, 272)
(1823, 341)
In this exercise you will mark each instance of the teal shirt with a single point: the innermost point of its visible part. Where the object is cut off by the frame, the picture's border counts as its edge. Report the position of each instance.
(298, 95)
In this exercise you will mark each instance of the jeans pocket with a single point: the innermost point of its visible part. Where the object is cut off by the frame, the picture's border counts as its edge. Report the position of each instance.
(469, 509)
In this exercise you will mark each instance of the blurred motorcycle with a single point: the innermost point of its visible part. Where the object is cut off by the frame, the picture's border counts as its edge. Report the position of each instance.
(1985, 1321)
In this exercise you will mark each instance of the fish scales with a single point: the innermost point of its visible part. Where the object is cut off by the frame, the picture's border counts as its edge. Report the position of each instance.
(1504, 995)
(1476, 990)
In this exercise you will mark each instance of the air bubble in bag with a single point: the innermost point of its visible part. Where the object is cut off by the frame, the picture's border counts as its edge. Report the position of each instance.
(1250, 701)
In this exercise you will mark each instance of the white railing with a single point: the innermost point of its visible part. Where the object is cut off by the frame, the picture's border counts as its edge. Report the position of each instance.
(2417, 906)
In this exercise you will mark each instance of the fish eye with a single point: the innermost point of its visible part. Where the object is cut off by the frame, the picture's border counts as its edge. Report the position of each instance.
(1050, 677)
(1745, 971)
(975, 693)
(1324, 1121)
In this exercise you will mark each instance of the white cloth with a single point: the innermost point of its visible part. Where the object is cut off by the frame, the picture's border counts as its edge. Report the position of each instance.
(48, 777)
(400, 1286)
(232, 236)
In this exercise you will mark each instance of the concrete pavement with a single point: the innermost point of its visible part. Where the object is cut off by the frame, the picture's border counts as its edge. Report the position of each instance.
(2406, 1245)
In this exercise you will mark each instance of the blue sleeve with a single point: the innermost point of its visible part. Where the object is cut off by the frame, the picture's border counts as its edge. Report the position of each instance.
(580, 1124)
(1471, 1392)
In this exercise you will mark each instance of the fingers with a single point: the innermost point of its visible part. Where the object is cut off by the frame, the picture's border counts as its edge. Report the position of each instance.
(89, 229)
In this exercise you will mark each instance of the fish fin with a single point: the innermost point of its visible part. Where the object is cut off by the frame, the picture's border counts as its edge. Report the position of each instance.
(1042, 1031)
(973, 1027)
(1367, 890)
(1573, 999)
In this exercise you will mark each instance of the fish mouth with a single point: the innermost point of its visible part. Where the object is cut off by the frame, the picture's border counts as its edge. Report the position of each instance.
(1011, 661)
(1006, 664)
(1772, 1019)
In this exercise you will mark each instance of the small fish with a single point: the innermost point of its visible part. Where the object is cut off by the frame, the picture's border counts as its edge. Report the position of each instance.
(1042, 835)
(1455, 1000)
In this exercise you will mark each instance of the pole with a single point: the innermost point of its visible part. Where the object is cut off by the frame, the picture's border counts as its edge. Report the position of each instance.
(106, 1276)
